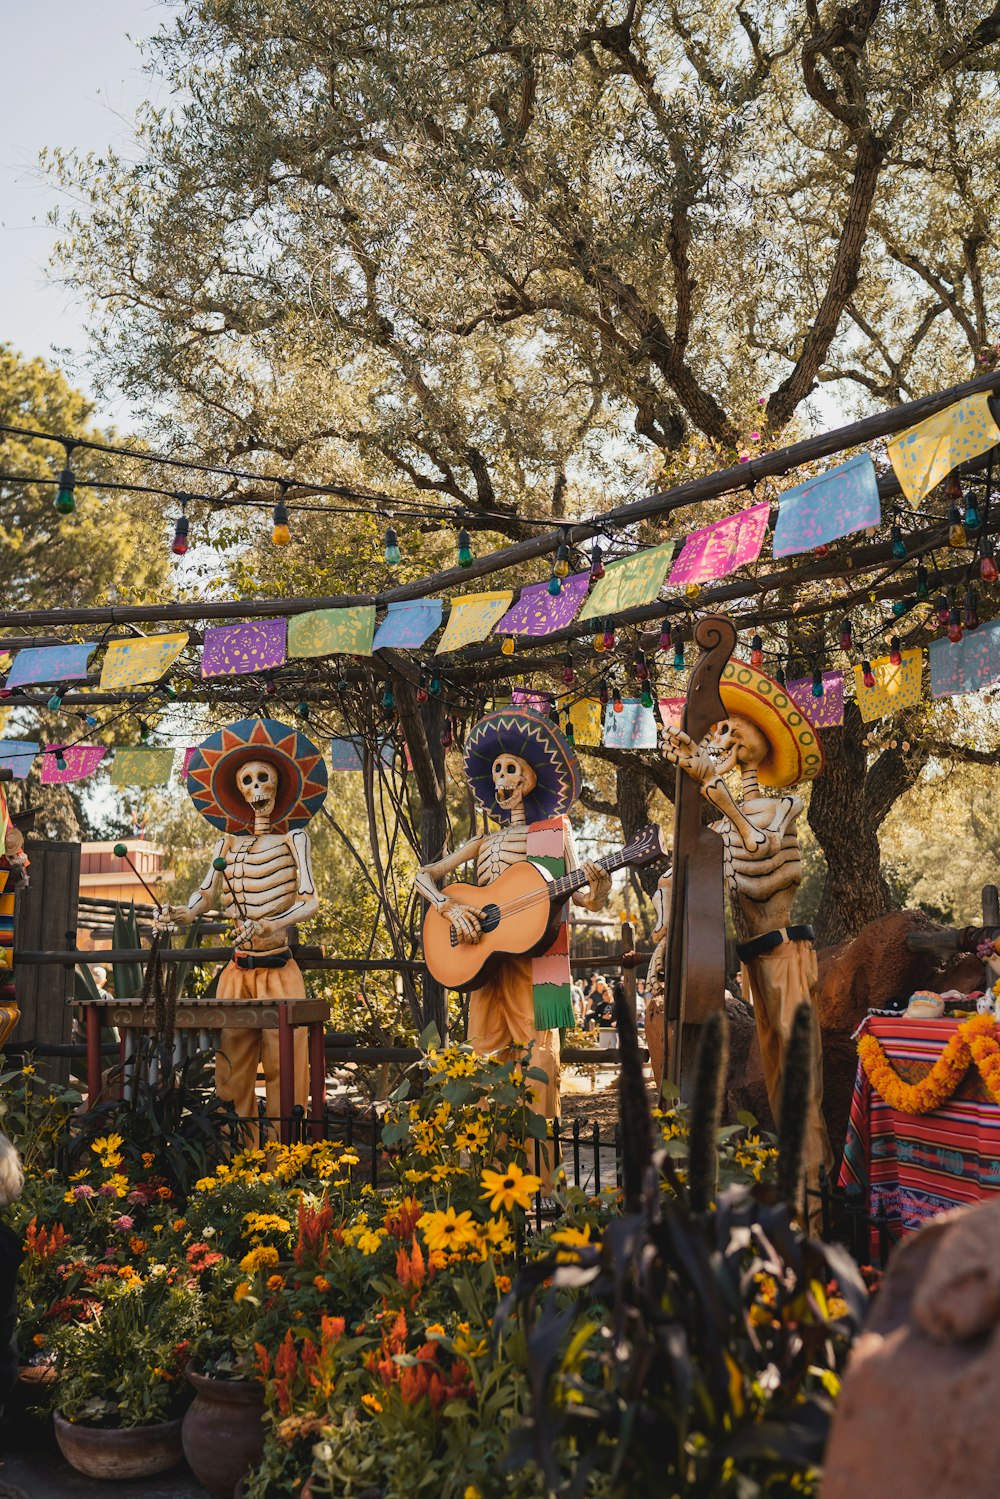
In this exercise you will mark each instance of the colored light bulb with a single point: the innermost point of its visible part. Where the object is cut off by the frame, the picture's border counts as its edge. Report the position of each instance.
(304, 711)
(846, 635)
(446, 735)
(900, 606)
(464, 549)
(393, 555)
(507, 645)
(923, 591)
(597, 568)
(954, 488)
(954, 627)
(756, 652)
(867, 676)
(144, 729)
(663, 643)
(941, 606)
(679, 658)
(692, 590)
(956, 530)
(60, 760)
(641, 669)
(604, 695)
(895, 654)
(599, 646)
(822, 550)
(280, 534)
(569, 730)
(561, 564)
(616, 702)
(65, 500)
(388, 698)
(435, 687)
(270, 687)
(779, 676)
(422, 688)
(90, 721)
(971, 616)
(55, 701)
(555, 585)
(987, 563)
(817, 683)
(121, 849)
(647, 696)
(971, 518)
(179, 545)
(898, 544)
(609, 636)
(567, 671)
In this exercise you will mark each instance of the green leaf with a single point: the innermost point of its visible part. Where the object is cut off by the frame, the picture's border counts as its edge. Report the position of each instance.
(430, 1038)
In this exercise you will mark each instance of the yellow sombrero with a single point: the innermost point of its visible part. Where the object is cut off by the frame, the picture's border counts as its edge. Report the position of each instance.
(795, 753)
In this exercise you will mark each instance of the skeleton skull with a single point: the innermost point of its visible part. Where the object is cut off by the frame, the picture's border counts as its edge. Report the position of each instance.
(735, 741)
(258, 785)
(513, 780)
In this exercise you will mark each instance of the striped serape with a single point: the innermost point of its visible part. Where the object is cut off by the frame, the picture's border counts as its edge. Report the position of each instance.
(914, 1166)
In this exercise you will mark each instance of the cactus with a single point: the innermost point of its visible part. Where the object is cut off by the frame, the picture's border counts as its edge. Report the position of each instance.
(710, 1067)
(796, 1091)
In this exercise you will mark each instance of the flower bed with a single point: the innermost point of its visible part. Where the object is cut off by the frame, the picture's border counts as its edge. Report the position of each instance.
(399, 1335)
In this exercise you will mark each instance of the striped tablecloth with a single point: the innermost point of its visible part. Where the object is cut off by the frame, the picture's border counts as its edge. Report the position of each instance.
(915, 1166)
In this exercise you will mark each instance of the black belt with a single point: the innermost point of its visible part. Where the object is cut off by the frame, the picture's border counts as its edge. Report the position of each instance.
(247, 960)
(768, 941)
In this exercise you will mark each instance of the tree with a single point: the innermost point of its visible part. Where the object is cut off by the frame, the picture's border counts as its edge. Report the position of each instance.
(518, 258)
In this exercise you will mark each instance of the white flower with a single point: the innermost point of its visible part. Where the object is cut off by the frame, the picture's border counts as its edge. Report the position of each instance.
(207, 1233)
(157, 1269)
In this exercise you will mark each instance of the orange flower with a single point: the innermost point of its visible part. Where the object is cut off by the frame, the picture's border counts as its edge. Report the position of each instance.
(932, 1091)
(401, 1221)
(321, 1283)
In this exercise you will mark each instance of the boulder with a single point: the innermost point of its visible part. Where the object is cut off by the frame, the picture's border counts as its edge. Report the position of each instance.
(922, 1388)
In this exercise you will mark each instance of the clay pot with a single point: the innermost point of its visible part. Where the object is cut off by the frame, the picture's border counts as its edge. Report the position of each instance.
(223, 1431)
(119, 1452)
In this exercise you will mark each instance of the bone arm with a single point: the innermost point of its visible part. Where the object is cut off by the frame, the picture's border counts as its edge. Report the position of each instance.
(307, 903)
(752, 838)
(429, 875)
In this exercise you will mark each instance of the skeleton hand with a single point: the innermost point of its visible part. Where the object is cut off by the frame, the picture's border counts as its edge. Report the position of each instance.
(595, 896)
(168, 918)
(464, 919)
(681, 750)
(245, 928)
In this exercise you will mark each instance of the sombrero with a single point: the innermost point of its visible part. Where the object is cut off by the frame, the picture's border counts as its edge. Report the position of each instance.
(211, 777)
(795, 753)
(522, 732)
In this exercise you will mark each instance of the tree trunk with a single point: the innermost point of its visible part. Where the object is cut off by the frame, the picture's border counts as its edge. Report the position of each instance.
(846, 825)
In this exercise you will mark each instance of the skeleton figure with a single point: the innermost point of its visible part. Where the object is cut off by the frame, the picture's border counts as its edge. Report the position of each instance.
(763, 869)
(266, 887)
(501, 1013)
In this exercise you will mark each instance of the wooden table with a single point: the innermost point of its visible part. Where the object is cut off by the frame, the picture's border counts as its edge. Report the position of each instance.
(197, 1026)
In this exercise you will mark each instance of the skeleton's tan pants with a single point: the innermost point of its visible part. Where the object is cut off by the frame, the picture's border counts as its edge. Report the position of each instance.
(241, 1049)
(502, 1016)
(776, 983)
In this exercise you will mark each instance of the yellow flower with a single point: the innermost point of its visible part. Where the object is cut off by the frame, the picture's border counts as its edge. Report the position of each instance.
(372, 1403)
(435, 1327)
(472, 1136)
(106, 1144)
(471, 1492)
(572, 1237)
(257, 1258)
(148, 1159)
(28, 1070)
(79, 1176)
(243, 1289)
(447, 1230)
(510, 1188)
(275, 1282)
(120, 1184)
(206, 1184)
(369, 1241)
(496, 1231)
(265, 1223)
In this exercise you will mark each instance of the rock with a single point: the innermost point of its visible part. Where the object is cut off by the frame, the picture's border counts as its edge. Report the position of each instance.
(922, 1388)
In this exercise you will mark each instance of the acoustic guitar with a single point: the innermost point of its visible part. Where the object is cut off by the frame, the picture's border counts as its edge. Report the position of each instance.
(521, 913)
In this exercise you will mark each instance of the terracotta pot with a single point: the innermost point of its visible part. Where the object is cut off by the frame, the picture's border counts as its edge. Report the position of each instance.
(223, 1431)
(119, 1452)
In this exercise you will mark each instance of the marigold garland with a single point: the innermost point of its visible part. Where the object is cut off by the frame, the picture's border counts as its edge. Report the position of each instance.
(974, 1041)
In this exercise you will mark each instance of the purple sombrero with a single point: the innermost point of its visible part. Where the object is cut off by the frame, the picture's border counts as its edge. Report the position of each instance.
(522, 732)
(211, 777)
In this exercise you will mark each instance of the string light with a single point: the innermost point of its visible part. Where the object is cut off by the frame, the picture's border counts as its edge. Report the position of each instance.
(895, 654)
(779, 675)
(179, 545)
(923, 590)
(280, 534)
(446, 735)
(971, 518)
(692, 590)
(597, 568)
(647, 696)
(435, 686)
(641, 667)
(393, 555)
(898, 544)
(422, 693)
(65, 500)
(561, 565)
(609, 635)
(567, 670)
(60, 758)
(507, 645)
(817, 682)
(678, 644)
(664, 640)
(987, 562)
(941, 606)
(465, 558)
(555, 584)
(599, 646)
(956, 530)
(388, 699)
(954, 624)
(55, 702)
(604, 695)
(867, 676)
(616, 701)
(756, 652)
(846, 634)
(971, 615)
(304, 712)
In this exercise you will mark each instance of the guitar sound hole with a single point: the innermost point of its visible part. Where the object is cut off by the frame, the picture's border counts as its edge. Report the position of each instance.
(489, 922)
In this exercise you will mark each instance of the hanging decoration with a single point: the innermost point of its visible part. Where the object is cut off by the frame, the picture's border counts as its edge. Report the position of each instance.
(347, 752)
(472, 617)
(630, 582)
(133, 663)
(833, 504)
(719, 549)
(407, 625)
(823, 712)
(50, 663)
(236, 650)
(540, 702)
(672, 711)
(80, 761)
(539, 612)
(332, 632)
(188, 756)
(895, 686)
(585, 720)
(17, 755)
(629, 725)
(924, 454)
(137, 765)
(966, 664)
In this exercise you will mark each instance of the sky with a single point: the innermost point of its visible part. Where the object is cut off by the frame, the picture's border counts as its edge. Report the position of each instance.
(73, 79)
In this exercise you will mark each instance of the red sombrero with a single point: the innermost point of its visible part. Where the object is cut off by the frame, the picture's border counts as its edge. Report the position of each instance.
(302, 780)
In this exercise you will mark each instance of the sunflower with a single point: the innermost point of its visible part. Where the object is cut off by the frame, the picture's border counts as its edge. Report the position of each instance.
(509, 1188)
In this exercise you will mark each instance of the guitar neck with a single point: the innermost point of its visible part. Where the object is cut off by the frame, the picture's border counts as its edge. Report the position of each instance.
(560, 888)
